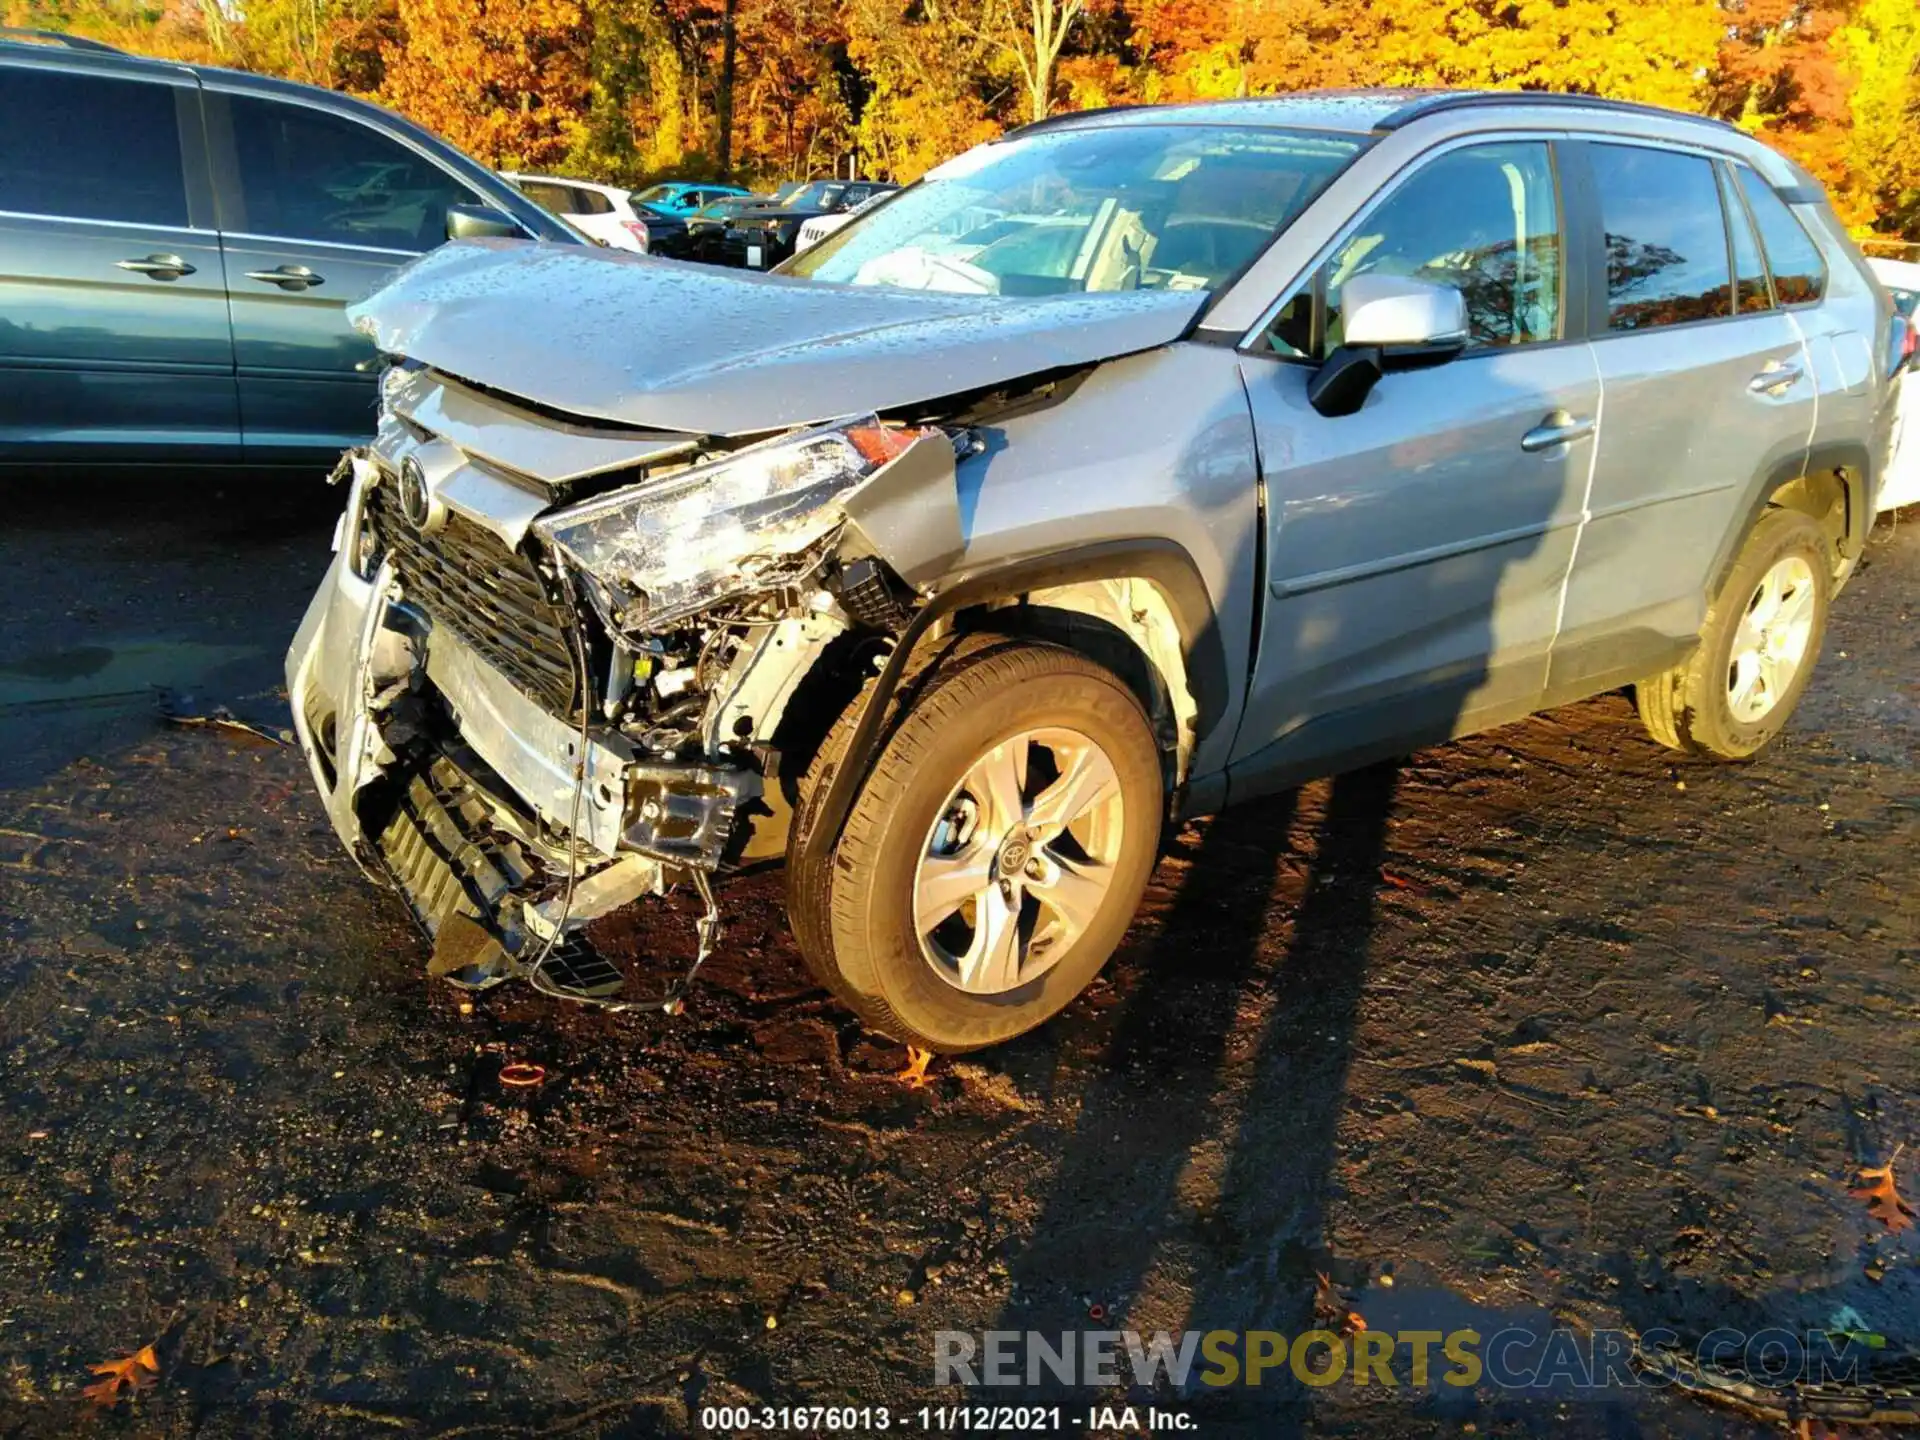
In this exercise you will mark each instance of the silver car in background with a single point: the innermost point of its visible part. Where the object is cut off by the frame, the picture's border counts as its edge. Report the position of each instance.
(1137, 464)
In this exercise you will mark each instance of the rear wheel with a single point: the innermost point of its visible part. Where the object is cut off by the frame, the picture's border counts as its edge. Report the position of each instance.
(995, 855)
(1757, 648)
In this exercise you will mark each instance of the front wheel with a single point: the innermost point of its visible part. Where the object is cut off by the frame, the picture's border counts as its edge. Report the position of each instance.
(997, 852)
(1757, 648)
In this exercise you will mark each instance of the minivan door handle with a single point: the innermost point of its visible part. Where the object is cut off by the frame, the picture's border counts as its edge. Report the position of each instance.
(158, 267)
(1559, 428)
(288, 277)
(1774, 377)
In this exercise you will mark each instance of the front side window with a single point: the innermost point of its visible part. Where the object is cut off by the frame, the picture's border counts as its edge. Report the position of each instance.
(1666, 237)
(1484, 219)
(1799, 274)
(87, 147)
(306, 174)
(1088, 211)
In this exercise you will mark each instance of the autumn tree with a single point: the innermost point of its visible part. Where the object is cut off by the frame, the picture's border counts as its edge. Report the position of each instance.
(1031, 33)
(796, 120)
(1656, 54)
(930, 84)
(1879, 52)
(505, 80)
(1214, 49)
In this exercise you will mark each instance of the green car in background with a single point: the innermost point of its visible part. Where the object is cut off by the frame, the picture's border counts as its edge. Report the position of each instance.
(178, 246)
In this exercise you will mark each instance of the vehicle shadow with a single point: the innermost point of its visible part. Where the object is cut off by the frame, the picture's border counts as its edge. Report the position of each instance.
(126, 585)
(1153, 1194)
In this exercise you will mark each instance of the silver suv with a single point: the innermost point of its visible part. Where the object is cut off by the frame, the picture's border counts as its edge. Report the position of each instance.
(1137, 464)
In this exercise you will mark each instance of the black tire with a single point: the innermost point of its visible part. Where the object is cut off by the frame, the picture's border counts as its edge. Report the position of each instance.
(854, 923)
(809, 878)
(1688, 707)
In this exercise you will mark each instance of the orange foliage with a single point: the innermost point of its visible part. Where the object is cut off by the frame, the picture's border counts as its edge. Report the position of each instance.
(628, 90)
(505, 80)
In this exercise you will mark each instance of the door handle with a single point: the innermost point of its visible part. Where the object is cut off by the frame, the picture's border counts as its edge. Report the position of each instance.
(1774, 378)
(1559, 428)
(288, 277)
(159, 267)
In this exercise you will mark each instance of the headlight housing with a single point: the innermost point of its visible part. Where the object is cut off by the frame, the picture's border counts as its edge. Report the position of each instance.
(658, 552)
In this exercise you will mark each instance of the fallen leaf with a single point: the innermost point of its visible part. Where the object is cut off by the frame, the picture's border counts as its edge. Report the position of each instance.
(123, 1377)
(1883, 1200)
(1330, 1309)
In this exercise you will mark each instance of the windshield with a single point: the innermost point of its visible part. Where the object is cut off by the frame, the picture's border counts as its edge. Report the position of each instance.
(1084, 211)
(815, 195)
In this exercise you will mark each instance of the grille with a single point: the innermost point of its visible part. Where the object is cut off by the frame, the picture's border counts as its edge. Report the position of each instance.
(467, 580)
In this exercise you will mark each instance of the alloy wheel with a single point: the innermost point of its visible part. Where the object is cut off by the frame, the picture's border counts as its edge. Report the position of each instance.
(1018, 860)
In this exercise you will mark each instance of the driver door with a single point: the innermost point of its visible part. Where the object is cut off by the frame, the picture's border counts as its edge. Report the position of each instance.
(317, 210)
(1417, 550)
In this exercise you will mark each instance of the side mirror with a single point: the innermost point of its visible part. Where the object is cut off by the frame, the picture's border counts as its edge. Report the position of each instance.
(1392, 323)
(482, 222)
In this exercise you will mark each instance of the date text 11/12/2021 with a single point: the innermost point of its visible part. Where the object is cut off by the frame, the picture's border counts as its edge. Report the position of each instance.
(944, 1419)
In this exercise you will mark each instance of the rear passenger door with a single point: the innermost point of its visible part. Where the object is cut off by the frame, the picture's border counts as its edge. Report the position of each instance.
(1706, 383)
(114, 343)
(318, 208)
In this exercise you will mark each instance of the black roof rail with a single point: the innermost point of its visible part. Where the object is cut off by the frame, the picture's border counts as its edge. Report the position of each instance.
(56, 37)
(1066, 117)
(1478, 99)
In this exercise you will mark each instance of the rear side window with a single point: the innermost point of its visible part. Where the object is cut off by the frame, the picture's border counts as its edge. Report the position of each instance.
(1749, 269)
(309, 175)
(87, 147)
(1799, 274)
(591, 202)
(557, 198)
(1666, 237)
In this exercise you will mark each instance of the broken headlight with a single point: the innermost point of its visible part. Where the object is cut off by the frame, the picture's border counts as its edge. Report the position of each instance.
(657, 552)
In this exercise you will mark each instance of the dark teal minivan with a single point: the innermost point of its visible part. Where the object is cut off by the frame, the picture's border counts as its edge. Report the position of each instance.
(178, 245)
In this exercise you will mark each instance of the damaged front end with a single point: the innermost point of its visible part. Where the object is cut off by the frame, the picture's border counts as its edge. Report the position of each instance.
(546, 670)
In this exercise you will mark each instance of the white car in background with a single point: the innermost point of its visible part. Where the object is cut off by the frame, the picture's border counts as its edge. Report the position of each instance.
(813, 231)
(1902, 483)
(600, 212)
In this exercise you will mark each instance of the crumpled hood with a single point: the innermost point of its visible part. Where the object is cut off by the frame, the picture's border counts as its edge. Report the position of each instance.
(608, 335)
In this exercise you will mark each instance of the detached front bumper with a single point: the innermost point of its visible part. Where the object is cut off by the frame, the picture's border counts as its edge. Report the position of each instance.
(449, 781)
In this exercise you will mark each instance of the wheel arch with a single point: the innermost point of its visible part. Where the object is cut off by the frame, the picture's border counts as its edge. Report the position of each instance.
(1831, 486)
(1075, 587)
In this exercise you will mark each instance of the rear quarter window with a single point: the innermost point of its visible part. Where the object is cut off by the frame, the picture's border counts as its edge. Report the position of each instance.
(1799, 273)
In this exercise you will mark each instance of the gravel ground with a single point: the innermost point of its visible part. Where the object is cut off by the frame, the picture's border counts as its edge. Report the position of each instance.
(1539, 1024)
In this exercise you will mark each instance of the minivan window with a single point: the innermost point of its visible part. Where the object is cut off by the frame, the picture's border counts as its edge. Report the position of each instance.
(87, 147)
(1749, 269)
(1666, 238)
(1090, 210)
(306, 174)
(1799, 274)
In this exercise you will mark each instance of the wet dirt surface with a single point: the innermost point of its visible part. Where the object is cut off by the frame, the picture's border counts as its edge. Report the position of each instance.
(1539, 1024)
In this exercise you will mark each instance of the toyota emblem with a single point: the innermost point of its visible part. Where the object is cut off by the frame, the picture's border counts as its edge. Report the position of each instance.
(415, 504)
